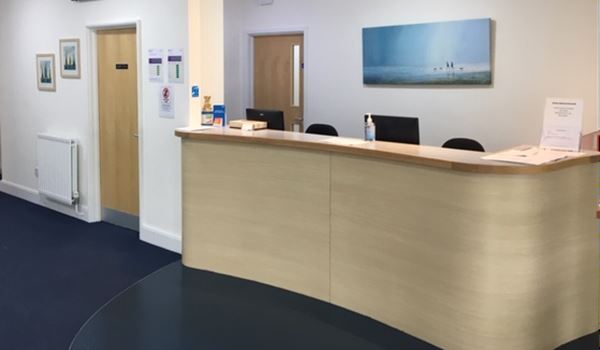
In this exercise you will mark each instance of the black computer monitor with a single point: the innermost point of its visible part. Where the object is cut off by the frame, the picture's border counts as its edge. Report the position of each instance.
(273, 118)
(396, 129)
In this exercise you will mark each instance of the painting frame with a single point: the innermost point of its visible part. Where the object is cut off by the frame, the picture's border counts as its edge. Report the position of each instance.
(46, 72)
(70, 58)
(451, 53)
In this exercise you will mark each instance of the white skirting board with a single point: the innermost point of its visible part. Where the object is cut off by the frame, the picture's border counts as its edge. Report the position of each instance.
(148, 234)
(33, 196)
(160, 238)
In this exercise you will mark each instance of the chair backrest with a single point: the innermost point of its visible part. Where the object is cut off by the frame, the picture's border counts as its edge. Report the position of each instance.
(396, 129)
(273, 118)
(322, 129)
(464, 144)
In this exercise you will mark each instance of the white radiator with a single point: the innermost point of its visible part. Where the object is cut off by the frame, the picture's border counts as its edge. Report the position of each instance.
(57, 168)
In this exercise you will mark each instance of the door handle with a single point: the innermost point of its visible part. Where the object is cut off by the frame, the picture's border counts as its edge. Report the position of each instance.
(135, 135)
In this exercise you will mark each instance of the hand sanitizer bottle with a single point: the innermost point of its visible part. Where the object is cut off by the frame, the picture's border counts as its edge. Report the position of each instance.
(369, 129)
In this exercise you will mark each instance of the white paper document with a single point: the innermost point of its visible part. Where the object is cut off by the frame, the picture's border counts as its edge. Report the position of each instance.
(563, 121)
(342, 141)
(194, 128)
(155, 64)
(175, 58)
(167, 102)
(530, 155)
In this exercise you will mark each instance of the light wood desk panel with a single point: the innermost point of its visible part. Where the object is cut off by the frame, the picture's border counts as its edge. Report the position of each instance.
(259, 213)
(464, 260)
(460, 252)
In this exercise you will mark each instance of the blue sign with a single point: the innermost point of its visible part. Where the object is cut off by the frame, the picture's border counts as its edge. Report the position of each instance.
(195, 91)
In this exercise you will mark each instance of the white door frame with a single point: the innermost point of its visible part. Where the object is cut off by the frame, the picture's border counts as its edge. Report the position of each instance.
(95, 199)
(248, 100)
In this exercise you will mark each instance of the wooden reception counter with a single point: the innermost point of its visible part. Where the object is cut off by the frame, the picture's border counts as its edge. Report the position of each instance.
(457, 251)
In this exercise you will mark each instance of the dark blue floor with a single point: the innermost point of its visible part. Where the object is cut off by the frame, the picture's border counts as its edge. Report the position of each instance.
(56, 271)
(178, 308)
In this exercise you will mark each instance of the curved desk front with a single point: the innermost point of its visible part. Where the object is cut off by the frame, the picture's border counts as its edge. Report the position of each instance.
(457, 251)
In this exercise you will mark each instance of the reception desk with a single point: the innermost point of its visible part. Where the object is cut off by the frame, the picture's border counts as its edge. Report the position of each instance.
(457, 251)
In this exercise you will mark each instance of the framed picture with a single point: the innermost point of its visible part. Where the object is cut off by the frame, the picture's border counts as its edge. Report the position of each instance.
(70, 64)
(443, 53)
(46, 75)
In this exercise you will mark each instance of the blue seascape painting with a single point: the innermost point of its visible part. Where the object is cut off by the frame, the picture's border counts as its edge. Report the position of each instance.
(445, 53)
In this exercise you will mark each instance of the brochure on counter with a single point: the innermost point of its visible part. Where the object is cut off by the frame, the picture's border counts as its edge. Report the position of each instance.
(531, 155)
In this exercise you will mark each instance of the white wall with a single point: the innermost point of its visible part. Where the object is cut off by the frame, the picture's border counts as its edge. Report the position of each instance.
(206, 52)
(543, 48)
(28, 27)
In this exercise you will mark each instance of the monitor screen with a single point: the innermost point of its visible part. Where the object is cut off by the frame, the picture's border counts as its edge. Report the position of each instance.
(273, 118)
(396, 129)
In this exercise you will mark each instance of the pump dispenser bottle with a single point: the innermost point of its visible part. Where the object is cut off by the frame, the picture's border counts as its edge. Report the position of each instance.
(369, 129)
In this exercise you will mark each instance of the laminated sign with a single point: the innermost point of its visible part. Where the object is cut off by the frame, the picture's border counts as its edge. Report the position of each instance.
(563, 123)
(155, 61)
(167, 109)
(175, 66)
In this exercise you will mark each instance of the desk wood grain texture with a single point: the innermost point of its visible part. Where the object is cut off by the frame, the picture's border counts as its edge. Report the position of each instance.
(258, 213)
(437, 157)
(503, 258)
(466, 261)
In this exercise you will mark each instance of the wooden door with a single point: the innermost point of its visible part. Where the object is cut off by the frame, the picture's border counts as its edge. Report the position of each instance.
(274, 83)
(118, 105)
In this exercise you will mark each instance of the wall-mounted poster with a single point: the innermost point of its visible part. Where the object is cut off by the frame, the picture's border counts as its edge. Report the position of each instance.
(46, 76)
(70, 67)
(155, 65)
(175, 58)
(444, 53)
(167, 102)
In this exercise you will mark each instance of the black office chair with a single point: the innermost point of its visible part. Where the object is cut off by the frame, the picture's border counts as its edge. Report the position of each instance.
(322, 129)
(396, 129)
(273, 118)
(464, 144)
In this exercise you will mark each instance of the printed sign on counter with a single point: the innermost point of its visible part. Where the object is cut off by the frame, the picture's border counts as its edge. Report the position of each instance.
(167, 102)
(563, 122)
(155, 62)
(175, 66)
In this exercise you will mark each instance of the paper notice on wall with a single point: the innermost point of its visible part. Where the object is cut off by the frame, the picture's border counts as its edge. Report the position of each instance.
(563, 122)
(155, 64)
(167, 102)
(175, 59)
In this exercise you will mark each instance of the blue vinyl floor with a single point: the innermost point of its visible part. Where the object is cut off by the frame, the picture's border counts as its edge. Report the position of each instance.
(56, 271)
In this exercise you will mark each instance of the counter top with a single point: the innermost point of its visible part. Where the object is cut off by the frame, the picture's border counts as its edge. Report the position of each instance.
(437, 157)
